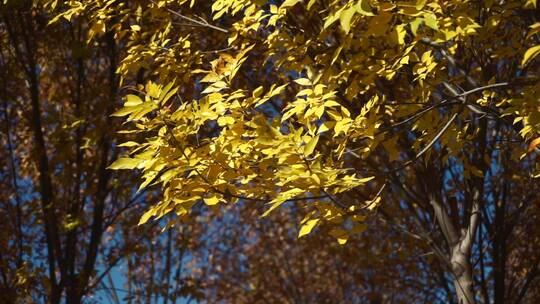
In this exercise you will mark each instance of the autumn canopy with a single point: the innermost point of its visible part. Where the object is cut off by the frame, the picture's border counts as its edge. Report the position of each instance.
(419, 115)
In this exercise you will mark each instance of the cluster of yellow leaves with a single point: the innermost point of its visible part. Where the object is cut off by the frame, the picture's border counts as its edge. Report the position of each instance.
(329, 76)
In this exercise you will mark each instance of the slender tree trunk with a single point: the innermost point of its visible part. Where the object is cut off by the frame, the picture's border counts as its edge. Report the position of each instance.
(104, 176)
(460, 248)
(463, 281)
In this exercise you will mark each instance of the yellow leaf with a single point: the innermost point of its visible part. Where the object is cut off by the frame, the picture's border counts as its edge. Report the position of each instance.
(257, 92)
(281, 198)
(124, 163)
(345, 18)
(211, 201)
(415, 24)
(153, 90)
(366, 179)
(431, 21)
(319, 111)
(129, 144)
(56, 18)
(420, 4)
(535, 28)
(132, 100)
(530, 4)
(167, 93)
(272, 208)
(341, 235)
(289, 3)
(303, 81)
(324, 127)
(331, 103)
(225, 120)
(332, 18)
(400, 33)
(146, 216)
(530, 54)
(210, 77)
(336, 54)
(342, 125)
(123, 111)
(362, 7)
(307, 227)
(310, 146)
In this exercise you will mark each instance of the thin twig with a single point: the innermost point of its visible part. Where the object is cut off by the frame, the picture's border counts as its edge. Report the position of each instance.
(447, 102)
(203, 23)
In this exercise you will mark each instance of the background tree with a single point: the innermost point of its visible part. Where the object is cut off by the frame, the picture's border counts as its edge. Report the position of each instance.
(59, 202)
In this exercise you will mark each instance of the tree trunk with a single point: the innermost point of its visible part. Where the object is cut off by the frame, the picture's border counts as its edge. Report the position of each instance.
(463, 280)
